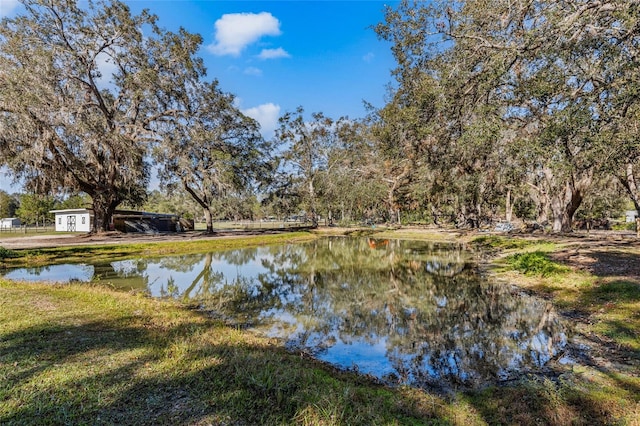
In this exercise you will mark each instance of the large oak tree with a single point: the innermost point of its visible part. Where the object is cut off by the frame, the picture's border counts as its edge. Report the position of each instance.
(215, 153)
(85, 93)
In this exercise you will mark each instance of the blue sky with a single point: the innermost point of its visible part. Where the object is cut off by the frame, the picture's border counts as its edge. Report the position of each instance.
(278, 55)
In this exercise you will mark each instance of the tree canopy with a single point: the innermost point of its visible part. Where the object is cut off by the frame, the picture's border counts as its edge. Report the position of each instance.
(215, 153)
(85, 93)
(524, 108)
(527, 92)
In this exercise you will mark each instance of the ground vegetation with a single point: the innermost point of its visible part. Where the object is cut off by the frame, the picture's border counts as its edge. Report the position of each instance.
(77, 353)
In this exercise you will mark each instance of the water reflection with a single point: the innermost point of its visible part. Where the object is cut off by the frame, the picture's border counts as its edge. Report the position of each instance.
(406, 312)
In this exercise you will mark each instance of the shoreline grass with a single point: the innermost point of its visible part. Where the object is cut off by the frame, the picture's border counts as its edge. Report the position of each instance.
(85, 354)
(69, 254)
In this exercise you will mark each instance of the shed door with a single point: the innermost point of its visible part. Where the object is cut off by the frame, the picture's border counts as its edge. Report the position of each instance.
(71, 223)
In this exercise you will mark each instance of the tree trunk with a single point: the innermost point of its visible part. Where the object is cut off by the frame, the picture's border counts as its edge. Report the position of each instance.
(103, 208)
(543, 204)
(203, 201)
(434, 214)
(564, 205)
(208, 216)
(508, 207)
(565, 196)
(312, 204)
(391, 205)
(629, 183)
(543, 209)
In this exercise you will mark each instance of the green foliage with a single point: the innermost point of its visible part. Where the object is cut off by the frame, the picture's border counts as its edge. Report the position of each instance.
(624, 226)
(6, 253)
(525, 208)
(8, 205)
(177, 202)
(34, 209)
(493, 242)
(496, 95)
(535, 263)
(416, 217)
(217, 156)
(78, 201)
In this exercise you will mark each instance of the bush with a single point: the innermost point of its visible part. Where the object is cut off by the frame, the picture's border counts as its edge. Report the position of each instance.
(535, 263)
(6, 253)
(624, 226)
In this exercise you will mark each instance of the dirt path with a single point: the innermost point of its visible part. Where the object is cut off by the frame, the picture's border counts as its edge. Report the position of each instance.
(604, 254)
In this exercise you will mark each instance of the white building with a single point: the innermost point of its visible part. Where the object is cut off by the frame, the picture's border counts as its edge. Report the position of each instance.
(9, 222)
(630, 215)
(73, 220)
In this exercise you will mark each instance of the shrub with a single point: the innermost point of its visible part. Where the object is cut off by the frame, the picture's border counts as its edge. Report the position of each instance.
(6, 253)
(535, 263)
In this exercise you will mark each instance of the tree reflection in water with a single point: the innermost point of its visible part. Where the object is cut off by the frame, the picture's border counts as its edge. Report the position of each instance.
(406, 312)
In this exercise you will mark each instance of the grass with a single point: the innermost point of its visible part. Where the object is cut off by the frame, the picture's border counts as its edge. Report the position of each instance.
(535, 263)
(608, 305)
(497, 242)
(82, 354)
(86, 355)
(48, 256)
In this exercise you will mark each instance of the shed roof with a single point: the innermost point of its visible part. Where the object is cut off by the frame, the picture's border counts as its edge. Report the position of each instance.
(69, 211)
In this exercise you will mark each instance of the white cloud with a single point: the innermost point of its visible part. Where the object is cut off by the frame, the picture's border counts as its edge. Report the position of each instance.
(368, 57)
(253, 71)
(235, 31)
(7, 6)
(267, 115)
(274, 53)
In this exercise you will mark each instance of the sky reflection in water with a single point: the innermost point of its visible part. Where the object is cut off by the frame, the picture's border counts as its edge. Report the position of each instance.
(403, 311)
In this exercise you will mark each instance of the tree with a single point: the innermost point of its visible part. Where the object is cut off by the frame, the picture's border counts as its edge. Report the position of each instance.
(216, 153)
(34, 208)
(351, 186)
(306, 154)
(178, 202)
(552, 77)
(84, 94)
(624, 154)
(402, 131)
(77, 201)
(8, 205)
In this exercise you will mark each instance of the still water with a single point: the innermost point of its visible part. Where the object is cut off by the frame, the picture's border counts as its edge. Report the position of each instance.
(405, 312)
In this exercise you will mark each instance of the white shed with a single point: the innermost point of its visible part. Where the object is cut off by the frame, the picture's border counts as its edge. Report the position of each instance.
(9, 222)
(630, 215)
(73, 220)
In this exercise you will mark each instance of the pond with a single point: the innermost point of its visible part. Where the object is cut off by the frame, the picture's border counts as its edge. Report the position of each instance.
(405, 312)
